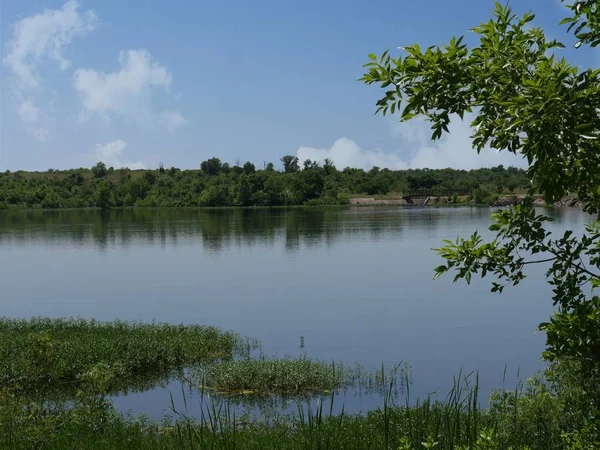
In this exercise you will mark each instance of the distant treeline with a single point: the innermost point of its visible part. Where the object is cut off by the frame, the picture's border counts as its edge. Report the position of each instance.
(220, 184)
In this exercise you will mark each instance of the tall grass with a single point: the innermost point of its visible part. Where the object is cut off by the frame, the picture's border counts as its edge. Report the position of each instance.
(450, 423)
(526, 419)
(263, 376)
(96, 358)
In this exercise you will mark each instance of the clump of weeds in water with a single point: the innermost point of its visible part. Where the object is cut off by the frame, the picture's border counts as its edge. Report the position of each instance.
(285, 376)
(52, 354)
(288, 376)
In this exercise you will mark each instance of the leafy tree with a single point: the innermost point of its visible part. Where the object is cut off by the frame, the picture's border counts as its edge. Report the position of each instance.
(103, 195)
(527, 101)
(379, 184)
(214, 196)
(274, 191)
(211, 166)
(51, 200)
(150, 177)
(245, 191)
(290, 164)
(309, 185)
(328, 166)
(99, 170)
(75, 179)
(249, 168)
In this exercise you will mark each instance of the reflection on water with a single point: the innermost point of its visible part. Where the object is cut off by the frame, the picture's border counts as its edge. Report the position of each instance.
(355, 283)
(220, 229)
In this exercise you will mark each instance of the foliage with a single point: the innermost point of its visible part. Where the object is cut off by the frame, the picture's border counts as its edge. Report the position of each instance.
(46, 354)
(98, 171)
(284, 376)
(290, 164)
(524, 420)
(529, 102)
(97, 358)
(239, 186)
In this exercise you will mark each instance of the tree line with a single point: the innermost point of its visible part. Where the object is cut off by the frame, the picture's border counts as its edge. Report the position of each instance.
(218, 183)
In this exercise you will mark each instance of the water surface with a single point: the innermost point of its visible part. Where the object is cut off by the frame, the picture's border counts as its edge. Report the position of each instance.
(356, 283)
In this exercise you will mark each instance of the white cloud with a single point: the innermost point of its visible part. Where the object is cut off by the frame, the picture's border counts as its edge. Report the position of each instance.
(127, 92)
(110, 153)
(418, 151)
(346, 153)
(35, 38)
(173, 120)
(45, 35)
(33, 120)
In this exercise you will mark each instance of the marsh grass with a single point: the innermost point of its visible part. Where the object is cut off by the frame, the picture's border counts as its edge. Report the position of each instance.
(288, 377)
(53, 354)
(40, 355)
(456, 422)
(516, 420)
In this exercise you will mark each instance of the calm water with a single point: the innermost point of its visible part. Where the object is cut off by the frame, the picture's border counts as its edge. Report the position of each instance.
(355, 282)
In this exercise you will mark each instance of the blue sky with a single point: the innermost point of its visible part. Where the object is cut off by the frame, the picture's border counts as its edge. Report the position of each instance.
(138, 82)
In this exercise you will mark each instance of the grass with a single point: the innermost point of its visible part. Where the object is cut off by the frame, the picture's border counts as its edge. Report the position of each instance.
(526, 419)
(50, 354)
(288, 377)
(42, 355)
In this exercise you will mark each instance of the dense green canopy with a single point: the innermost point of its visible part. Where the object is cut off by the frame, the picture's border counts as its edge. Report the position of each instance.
(218, 184)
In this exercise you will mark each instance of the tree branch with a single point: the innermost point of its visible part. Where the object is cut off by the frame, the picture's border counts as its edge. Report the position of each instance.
(540, 260)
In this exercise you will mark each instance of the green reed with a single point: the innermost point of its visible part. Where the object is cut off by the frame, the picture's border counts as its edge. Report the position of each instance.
(94, 359)
(287, 376)
(456, 423)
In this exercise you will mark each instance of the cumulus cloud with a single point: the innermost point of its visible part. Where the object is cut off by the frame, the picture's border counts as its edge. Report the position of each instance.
(416, 151)
(346, 153)
(45, 35)
(110, 154)
(128, 91)
(37, 38)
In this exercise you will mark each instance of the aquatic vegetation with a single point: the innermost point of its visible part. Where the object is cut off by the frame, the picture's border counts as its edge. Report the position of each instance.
(44, 354)
(93, 359)
(458, 423)
(275, 376)
(293, 377)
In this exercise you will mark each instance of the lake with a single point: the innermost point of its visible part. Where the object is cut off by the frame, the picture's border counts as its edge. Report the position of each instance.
(355, 283)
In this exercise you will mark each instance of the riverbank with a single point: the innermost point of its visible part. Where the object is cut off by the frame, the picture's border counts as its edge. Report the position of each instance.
(496, 200)
(388, 200)
(94, 357)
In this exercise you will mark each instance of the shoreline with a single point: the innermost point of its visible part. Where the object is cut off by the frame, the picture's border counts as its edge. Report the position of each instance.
(503, 200)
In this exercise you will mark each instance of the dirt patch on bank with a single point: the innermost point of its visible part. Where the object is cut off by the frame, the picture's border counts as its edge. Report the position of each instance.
(372, 201)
